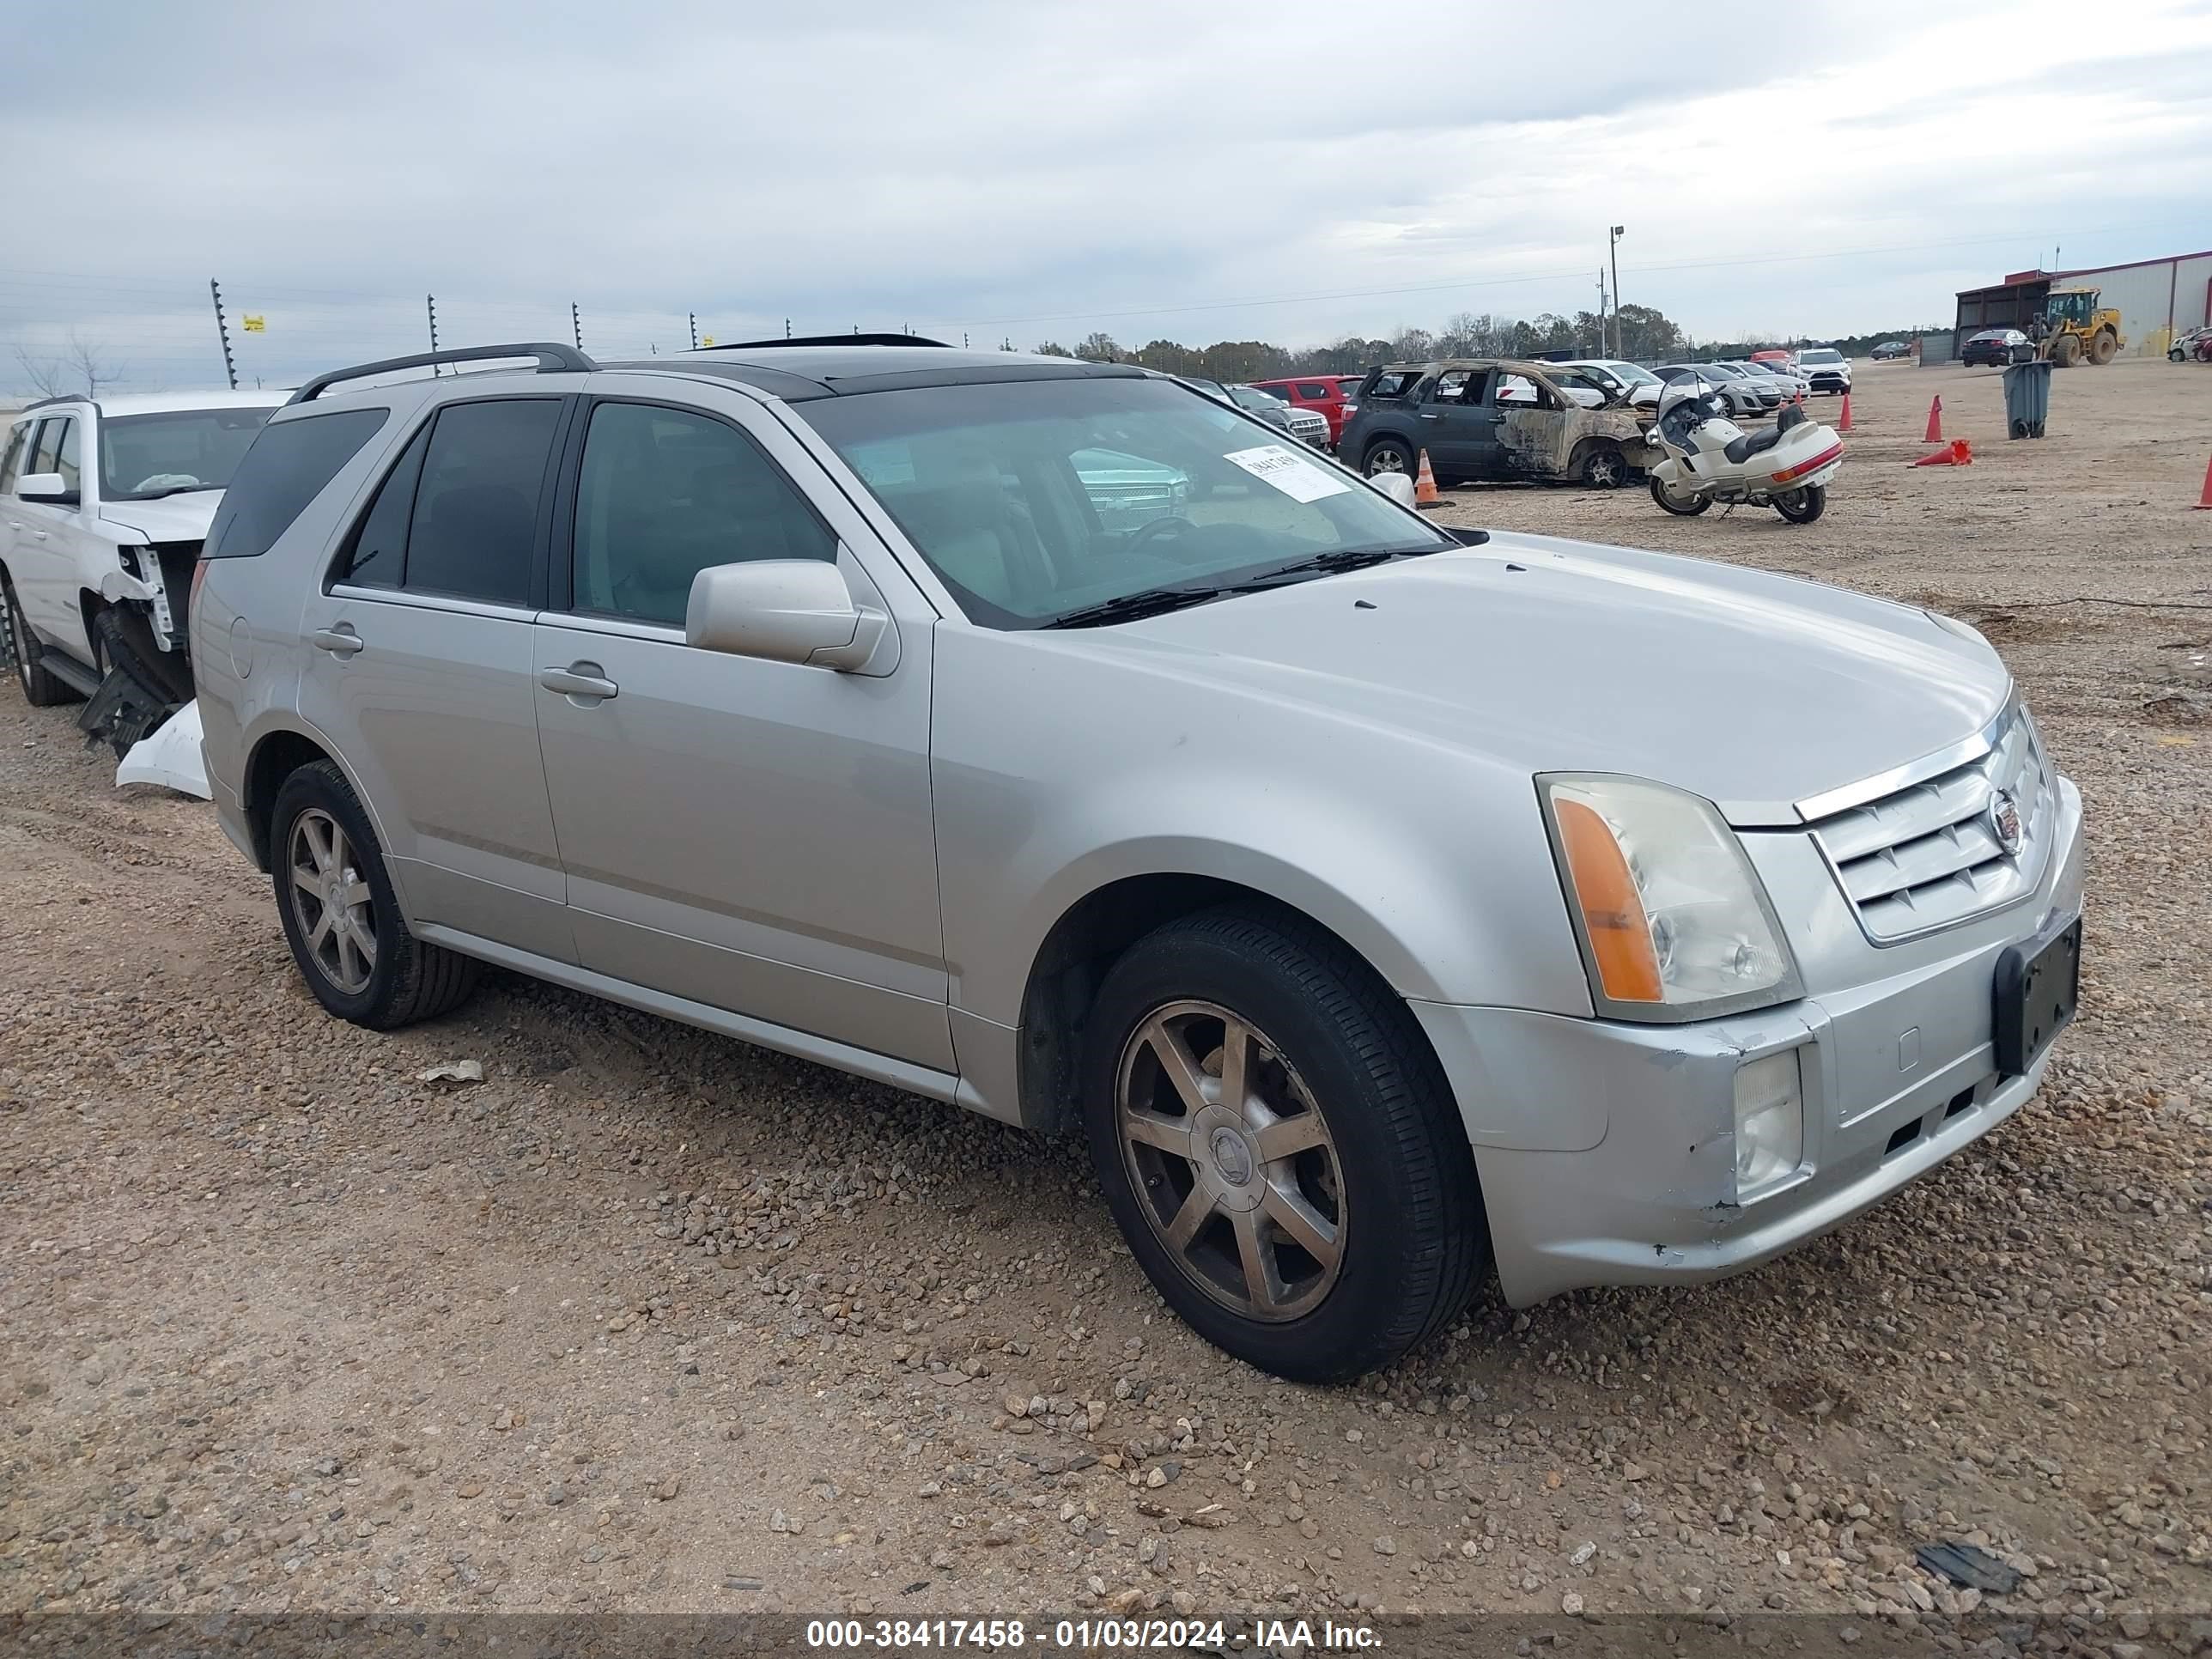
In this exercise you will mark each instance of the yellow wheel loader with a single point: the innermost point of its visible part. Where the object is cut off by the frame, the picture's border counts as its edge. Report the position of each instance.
(2079, 328)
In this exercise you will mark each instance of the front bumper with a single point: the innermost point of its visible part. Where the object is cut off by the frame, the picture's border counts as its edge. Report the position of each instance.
(1606, 1150)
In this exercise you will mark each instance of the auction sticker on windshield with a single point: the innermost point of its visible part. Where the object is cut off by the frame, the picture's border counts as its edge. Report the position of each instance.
(1294, 475)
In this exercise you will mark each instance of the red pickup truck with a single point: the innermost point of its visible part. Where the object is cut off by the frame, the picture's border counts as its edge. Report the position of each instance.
(1323, 393)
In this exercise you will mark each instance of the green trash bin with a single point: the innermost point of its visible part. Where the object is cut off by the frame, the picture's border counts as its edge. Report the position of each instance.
(2028, 399)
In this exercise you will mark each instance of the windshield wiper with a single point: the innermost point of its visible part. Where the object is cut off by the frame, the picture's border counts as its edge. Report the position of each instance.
(1152, 602)
(173, 489)
(1330, 564)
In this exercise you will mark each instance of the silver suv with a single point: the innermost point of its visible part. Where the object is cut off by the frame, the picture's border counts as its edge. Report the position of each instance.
(1045, 736)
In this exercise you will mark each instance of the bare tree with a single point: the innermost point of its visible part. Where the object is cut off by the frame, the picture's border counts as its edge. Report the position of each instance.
(80, 371)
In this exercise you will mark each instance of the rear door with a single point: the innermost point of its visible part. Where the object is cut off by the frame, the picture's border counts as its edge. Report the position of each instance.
(1460, 429)
(418, 667)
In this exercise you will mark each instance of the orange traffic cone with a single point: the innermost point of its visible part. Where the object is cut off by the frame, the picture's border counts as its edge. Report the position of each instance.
(1425, 493)
(1843, 422)
(1935, 421)
(2205, 505)
(1957, 453)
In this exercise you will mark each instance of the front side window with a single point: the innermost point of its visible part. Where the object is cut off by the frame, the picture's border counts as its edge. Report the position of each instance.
(475, 521)
(1035, 500)
(667, 493)
(65, 458)
(45, 449)
(143, 456)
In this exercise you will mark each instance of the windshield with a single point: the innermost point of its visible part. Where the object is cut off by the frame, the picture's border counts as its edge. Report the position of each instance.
(1252, 397)
(142, 456)
(1821, 357)
(1035, 499)
(1635, 376)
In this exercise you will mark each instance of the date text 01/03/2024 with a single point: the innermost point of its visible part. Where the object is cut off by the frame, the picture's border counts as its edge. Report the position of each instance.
(1080, 1635)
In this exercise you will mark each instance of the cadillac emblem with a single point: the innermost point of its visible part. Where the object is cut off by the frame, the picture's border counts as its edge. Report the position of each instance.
(2005, 824)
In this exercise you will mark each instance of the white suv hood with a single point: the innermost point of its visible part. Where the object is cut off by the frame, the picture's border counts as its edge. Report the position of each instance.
(166, 519)
(1754, 690)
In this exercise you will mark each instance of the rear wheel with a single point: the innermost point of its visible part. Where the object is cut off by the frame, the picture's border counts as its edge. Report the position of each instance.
(1278, 1146)
(341, 916)
(2103, 348)
(1803, 506)
(1686, 507)
(1388, 455)
(41, 689)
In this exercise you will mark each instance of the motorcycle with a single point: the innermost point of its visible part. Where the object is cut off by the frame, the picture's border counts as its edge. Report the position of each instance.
(1707, 458)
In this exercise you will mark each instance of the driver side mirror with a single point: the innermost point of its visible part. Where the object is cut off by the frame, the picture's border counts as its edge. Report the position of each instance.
(794, 611)
(47, 489)
(1396, 485)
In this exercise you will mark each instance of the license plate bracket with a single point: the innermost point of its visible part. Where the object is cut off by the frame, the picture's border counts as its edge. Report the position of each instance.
(2038, 988)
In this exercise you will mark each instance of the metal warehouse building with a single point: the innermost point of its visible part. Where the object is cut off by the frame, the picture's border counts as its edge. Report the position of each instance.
(2157, 299)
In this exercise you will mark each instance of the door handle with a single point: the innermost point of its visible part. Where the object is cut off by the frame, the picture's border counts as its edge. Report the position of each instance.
(40, 534)
(583, 683)
(1432, 417)
(340, 642)
(15, 524)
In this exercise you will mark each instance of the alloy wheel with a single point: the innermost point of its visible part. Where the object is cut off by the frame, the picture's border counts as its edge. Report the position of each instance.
(1386, 459)
(1231, 1161)
(332, 901)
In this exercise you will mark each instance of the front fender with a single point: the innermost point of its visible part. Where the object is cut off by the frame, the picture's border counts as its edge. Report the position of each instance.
(1058, 771)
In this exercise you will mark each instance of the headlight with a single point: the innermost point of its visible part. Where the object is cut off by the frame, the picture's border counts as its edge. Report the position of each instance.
(1672, 919)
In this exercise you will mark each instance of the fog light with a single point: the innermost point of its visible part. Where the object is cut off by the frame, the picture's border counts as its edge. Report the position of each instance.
(1770, 1120)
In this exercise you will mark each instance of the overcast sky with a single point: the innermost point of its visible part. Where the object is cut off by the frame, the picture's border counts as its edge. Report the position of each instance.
(1290, 171)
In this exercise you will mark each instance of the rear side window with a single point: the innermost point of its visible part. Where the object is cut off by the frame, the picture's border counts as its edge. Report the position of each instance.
(1313, 388)
(1393, 383)
(11, 463)
(475, 523)
(377, 555)
(288, 465)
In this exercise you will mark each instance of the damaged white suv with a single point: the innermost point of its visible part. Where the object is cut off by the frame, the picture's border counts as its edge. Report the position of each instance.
(103, 507)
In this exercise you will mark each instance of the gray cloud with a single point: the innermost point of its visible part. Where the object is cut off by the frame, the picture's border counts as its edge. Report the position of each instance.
(1156, 169)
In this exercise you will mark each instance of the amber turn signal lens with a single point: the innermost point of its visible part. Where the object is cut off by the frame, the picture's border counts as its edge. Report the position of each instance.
(1612, 911)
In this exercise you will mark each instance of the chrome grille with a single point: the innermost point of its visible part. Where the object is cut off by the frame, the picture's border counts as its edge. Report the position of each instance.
(1929, 856)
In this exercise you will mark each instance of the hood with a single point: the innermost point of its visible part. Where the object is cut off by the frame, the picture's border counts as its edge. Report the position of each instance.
(1752, 689)
(169, 519)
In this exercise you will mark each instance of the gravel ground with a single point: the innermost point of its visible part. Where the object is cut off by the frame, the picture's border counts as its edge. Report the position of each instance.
(648, 1320)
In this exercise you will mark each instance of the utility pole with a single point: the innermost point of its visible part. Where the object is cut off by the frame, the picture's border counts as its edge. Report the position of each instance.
(1612, 250)
(786, 328)
(430, 303)
(694, 319)
(576, 324)
(222, 332)
(1601, 311)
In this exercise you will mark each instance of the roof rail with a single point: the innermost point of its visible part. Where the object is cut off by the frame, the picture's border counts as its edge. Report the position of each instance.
(831, 340)
(553, 358)
(65, 399)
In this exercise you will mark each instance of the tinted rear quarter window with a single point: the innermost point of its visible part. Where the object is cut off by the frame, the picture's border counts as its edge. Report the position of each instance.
(288, 465)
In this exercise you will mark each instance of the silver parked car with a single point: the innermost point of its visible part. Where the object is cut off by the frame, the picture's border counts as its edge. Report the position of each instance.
(1384, 905)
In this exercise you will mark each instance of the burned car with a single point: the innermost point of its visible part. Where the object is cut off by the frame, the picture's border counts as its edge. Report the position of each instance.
(1487, 419)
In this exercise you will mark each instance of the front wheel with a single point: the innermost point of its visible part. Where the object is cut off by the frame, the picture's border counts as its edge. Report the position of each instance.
(2176, 356)
(1280, 1147)
(1603, 468)
(1686, 507)
(1388, 455)
(341, 916)
(1803, 506)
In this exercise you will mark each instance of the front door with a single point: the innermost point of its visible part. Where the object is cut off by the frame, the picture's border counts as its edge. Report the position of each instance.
(43, 562)
(418, 665)
(753, 836)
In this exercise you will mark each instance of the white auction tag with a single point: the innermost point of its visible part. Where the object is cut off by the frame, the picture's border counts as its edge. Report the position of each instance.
(1295, 476)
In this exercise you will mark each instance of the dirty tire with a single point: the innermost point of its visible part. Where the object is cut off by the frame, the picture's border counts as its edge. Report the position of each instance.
(1803, 506)
(411, 981)
(2103, 348)
(41, 689)
(1414, 1237)
(1681, 506)
(1388, 455)
(2065, 351)
(127, 637)
(1604, 467)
